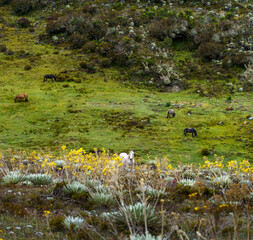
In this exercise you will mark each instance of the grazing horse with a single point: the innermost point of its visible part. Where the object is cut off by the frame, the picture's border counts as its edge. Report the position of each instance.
(21, 97)
(190, 130)
(127, 158)
(171, 112)
(50, 76)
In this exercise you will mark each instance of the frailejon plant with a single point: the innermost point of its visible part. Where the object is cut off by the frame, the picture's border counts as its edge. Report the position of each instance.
(145, 237)
(75, 223)
(187, 182)
(222, 181)
(39, 179)
(74, 188)
(136, 215)
(101, 198)
(13, 177)
(152, 192)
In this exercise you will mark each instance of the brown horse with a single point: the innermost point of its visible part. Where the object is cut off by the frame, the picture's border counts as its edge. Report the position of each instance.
(21, 97)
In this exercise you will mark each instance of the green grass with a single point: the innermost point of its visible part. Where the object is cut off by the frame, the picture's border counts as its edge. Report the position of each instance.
(101, 112)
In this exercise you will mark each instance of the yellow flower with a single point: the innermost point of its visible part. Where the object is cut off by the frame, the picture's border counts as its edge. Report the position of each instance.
(63, 147)
(46, 213)
(196, 208)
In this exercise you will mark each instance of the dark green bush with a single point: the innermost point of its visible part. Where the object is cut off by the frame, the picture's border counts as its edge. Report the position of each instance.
(3, 48)
(56, 223)
(90, 46)
(23, 22)
(9, 52)
(211, 50)
(160, 29)
(22, 7)
(105, 62)
(241, 59)
(57, 26)
(104, 49)
(27, 67)
(205, 151)
(77, 41)
(92, 9)
(4, 2)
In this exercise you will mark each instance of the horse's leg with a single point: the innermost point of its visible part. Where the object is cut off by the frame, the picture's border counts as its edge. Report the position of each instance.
(26, 99)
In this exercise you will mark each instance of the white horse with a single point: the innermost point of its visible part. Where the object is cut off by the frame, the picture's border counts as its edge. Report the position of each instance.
(127, 158)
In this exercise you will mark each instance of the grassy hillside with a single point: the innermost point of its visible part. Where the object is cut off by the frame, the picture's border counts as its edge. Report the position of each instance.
(104, 108)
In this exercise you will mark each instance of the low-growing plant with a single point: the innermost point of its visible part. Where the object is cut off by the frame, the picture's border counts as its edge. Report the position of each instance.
(145, 237)
(205, 151)
(13, 177)
(102, 199)
(74, 188)
(222, 181)
(39, 179)
(56, 223)
(73, 223)
(135, 214)
(23, 22)
(27, 67)
(211, 50)
(187, 182)
(3, 48)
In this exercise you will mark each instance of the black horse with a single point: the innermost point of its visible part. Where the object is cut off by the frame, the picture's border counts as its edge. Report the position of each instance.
(190, 130)
(50, 76)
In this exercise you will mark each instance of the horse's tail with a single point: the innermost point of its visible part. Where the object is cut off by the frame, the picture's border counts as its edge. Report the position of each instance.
(15, 99)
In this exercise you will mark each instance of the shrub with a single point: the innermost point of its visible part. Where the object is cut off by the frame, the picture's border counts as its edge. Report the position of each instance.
(160, 29)
(22, 7)
(77, 40)
(205, 151)
(3, 2)
(3, 48)
(13, 177)
(54, 27)
(23, 22)
(105, 62)
(211, 50)
(90, 47)
(241, 59)
(56, 223)
(27, 67)
(104, 49)
(9, 52)
(168, 104)
(39, 179)
(92, 9)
